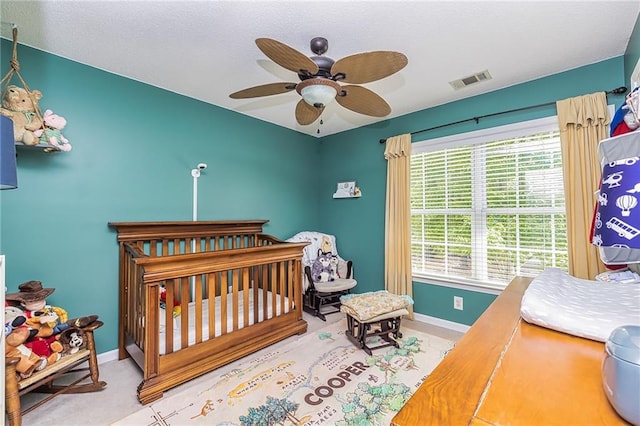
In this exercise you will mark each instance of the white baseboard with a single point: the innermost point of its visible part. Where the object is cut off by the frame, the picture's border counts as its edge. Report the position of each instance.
(455, 326)
(108, 356)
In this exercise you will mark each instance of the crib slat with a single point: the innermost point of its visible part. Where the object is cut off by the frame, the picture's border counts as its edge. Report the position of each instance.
(264, 284)
(236, 299)
(245, 297)
(184, 312)
(224, 286)
(274, 290)
(290, 291)
(198, 303)
(170, 287)
(281, 287)
(256, 294)
(211, 296)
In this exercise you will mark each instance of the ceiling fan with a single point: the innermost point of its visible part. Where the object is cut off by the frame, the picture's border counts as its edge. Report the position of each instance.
(321, 78)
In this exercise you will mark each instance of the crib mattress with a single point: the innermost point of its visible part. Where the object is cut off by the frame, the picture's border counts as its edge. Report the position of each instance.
(584, 308)
(262, 315)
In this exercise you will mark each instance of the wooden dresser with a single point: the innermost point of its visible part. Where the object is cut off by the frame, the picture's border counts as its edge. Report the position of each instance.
(505, 371)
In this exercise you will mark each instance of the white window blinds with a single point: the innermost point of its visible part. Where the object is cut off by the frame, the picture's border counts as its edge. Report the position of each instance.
(489, 211)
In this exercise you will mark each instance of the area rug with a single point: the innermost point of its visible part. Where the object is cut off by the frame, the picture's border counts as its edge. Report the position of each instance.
(320, 379)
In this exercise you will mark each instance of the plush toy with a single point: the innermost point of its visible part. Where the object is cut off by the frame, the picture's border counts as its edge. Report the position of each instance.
(52, 133)
(326, 246)
(71, 339)
(627, 117)
(46, 347)
(320, 270)
(13, 317)
(46, 319)
(14, 348)
(21, 107)
(82, 321)
(163, 302)
(333, 268)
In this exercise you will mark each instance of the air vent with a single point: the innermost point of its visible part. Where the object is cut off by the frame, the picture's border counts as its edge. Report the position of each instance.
(473, 79)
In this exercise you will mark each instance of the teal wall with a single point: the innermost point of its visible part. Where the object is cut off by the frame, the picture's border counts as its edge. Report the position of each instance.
(632, 53)
(358, 223)
(134, 146)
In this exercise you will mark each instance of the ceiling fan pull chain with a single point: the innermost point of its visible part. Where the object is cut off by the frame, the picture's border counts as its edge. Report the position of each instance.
(321, 122)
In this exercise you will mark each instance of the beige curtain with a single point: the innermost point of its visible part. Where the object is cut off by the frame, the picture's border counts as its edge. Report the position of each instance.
(397, 227)
(584, 122)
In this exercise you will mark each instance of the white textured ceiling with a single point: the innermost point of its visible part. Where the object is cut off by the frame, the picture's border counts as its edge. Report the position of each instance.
(206, 49)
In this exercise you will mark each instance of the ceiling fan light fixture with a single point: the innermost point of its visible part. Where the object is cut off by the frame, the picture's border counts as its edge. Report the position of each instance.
(318, 92)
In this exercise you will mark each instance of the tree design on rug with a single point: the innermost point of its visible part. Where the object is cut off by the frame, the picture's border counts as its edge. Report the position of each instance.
(370, 402)
(326, 335)
(274, 412)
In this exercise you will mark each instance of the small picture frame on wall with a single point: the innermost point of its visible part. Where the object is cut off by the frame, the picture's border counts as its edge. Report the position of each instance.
(347, 190)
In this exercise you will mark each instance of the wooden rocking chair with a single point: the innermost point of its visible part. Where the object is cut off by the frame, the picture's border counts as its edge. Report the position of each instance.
(43, 380)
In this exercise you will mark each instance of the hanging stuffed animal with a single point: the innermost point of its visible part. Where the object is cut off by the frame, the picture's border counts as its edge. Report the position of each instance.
(21, 107)
(52, 133)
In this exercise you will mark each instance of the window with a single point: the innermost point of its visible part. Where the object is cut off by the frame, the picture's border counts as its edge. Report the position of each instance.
(489, 205)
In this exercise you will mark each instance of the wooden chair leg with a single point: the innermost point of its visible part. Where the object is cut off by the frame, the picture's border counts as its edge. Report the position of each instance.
(12, 398)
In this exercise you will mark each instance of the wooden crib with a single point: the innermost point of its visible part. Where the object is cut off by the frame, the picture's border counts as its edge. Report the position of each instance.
(228, 290)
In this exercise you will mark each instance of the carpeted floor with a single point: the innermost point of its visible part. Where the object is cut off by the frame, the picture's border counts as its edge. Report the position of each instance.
(118, 399)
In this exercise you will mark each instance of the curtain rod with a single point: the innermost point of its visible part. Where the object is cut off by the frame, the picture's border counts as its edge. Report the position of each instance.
(617, 91)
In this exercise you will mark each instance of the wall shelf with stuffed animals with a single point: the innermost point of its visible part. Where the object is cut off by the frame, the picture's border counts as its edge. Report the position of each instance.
(347, 190)
(31, 128)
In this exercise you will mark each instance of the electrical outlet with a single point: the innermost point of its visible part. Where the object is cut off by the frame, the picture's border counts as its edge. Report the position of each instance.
(457, 303)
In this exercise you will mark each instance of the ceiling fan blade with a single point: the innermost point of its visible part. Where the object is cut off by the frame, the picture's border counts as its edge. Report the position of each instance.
(285, 56)
(306, 114)
(363, 101)
(263, 90)
(369, 66)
